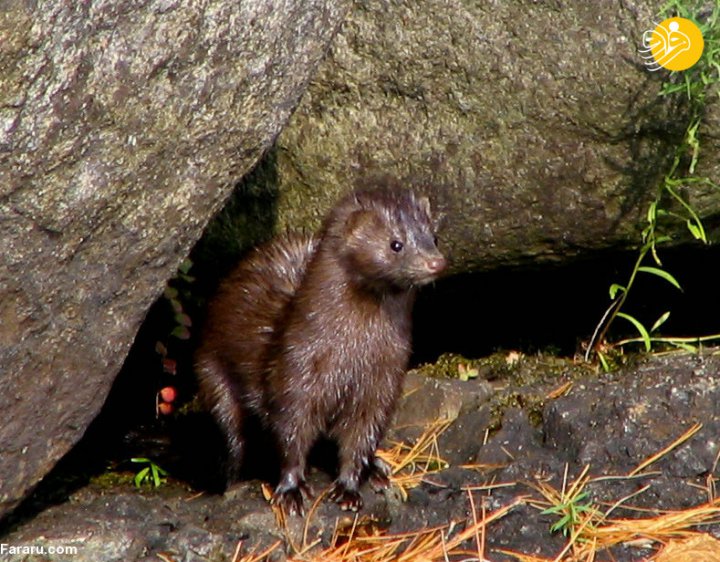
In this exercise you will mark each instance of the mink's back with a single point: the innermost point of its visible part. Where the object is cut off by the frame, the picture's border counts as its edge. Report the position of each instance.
(244, 315)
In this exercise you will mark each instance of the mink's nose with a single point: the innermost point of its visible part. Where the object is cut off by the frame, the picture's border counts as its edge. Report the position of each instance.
(436, 265)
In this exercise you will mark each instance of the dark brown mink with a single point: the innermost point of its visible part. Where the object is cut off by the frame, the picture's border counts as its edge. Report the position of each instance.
(311, 334)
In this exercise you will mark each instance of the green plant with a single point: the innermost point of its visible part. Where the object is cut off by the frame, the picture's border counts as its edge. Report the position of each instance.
(572, 513)
(695, 81)
(695, 84)
(175, 328)
(577, 517)
(150, 474)
(175, 297)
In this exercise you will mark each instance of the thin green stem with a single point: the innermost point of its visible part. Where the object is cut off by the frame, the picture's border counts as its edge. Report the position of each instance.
(616, 306)
(671, 340)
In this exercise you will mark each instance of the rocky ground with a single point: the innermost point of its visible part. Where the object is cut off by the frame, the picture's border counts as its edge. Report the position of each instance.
(517, 430)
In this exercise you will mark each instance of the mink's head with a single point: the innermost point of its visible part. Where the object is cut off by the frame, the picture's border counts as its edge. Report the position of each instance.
(385, 238)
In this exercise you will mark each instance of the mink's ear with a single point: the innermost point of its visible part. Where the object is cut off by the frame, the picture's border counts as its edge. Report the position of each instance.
(436, 219)
(358, 221)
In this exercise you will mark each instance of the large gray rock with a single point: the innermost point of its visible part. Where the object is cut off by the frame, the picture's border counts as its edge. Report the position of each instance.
(535, 125)
(123, 127)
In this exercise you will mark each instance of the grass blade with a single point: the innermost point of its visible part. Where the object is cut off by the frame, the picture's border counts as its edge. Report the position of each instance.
(140, 476)
(614, 288)
(660, 321)
(662, 274)
(639, 327)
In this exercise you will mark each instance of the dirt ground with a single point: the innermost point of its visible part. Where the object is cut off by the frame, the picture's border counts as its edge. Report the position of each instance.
(526, 434)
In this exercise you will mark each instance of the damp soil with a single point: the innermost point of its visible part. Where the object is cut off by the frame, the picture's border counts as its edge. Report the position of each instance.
(509, 427)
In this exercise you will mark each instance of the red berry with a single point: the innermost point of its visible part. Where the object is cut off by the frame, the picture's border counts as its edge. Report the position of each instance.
(168, 394)
(164, 408)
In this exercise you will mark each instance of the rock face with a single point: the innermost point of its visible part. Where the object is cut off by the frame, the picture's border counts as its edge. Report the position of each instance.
(123, 127)
(535, 125)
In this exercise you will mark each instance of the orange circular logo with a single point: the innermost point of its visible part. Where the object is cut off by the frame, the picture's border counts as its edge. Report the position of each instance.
(675, 44)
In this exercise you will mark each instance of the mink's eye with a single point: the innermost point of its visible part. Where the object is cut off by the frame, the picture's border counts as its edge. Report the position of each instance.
(396, 245)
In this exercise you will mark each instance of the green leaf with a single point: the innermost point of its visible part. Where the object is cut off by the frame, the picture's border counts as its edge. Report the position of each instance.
(694, 143)
(694, 223)
(661, 273)
(581, 496)
(170, 292)
(639, 327)
(696, 230)
(176, 305)
(614, 288)
(181, 333)
(185, 266)
(155, 475)
(603, 362)
(654, 253)
(652, 212)
(561, 525)
(140, 476)
(660, 321)
(183, 319)
(553, 510)
(669, 89)
(685, 346)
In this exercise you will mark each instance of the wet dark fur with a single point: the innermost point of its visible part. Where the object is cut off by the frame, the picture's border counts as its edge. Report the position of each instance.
(311, 334)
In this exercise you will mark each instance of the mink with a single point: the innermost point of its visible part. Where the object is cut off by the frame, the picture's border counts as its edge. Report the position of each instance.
(311, 334)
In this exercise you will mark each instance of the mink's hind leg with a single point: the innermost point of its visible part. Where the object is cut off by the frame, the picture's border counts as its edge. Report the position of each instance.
(218, 393)
(231, 427)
